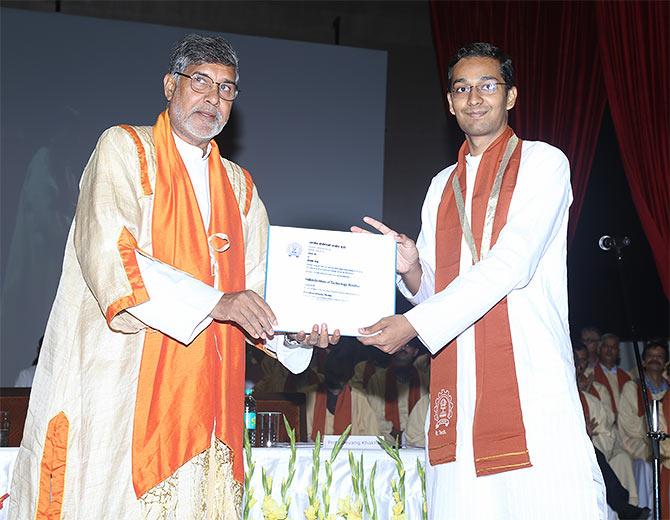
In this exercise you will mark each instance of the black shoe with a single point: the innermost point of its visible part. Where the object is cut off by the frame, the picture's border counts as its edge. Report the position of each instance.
(631, 512)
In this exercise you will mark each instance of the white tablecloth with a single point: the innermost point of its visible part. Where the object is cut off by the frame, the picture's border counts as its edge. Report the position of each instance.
(275, 462)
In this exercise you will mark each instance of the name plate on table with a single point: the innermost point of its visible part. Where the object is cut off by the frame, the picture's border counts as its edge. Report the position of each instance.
(346, 280)
(353, 442)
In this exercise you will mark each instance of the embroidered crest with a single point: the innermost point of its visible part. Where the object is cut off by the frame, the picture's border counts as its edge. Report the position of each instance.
(294, 249)
(443, 411)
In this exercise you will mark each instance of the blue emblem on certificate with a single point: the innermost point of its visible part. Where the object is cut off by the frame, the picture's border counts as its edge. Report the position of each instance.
(294, 249)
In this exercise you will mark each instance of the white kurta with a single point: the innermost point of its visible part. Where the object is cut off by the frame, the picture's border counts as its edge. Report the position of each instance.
(88, 369)
(528, 265)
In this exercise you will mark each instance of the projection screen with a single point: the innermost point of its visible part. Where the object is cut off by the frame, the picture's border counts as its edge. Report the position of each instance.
(308, 125)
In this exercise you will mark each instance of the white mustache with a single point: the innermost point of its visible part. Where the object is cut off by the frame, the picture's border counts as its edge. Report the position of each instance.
(217, 115)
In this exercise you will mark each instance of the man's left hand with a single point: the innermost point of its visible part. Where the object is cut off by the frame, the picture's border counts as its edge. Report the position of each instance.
(319, 337)
(390, 333)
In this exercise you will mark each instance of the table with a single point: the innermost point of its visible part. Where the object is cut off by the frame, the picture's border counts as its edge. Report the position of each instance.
(275, 462)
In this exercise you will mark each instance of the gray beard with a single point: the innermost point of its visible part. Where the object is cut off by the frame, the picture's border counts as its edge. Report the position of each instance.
(219, 124)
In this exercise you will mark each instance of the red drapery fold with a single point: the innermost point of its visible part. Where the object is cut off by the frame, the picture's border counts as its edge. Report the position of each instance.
(561, 93)
(635, 48)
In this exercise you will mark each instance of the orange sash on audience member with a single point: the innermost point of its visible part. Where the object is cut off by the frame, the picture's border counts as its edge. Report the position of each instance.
(391, 410)
(592, 390)
(499, 436)
(182, 390)
(368, 372)
(342, 417)
(621, 377)
(585, 406)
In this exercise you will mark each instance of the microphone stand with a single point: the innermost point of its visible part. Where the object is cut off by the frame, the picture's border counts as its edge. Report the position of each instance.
(654, 435)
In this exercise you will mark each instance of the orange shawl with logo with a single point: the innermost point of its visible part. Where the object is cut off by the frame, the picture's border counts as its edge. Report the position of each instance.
(186, 392)
(499, 436)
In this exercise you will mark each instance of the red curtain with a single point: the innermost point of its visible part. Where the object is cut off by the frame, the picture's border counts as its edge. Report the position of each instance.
(554, 45)
(635, 48)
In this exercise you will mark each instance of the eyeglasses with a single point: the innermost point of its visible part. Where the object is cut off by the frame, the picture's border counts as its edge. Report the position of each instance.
(201, 84)
(486, 88)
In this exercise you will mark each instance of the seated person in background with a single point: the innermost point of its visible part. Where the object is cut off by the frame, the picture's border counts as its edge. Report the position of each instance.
(393, 392)
(277, 378)
(607, 371)
(258, 366)
(336, 403)
(415, 434)
(601, 427)
(586, 381)
(25, 377)
(589, 336)
(374, 360)
(633, 426)
(617, 495)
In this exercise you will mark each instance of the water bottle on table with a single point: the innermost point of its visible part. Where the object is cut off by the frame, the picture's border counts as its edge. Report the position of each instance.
(250, 414)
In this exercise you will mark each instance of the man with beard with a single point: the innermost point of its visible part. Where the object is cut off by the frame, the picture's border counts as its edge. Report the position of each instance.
(488, 278)
(137, 404)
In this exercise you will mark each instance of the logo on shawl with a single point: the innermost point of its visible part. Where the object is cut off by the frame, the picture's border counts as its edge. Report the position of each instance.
(443, 411)
(294, 249)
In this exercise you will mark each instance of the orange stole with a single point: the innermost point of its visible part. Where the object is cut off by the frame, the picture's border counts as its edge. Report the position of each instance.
(183, 390)
(594, 393)
(391, 410)
(585, 406)
(621, 377)
(342, 414)
(368, 372)
(499, 435)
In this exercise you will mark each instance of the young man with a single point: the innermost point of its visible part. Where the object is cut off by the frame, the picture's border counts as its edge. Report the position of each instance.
(488, 278)
(136, 408)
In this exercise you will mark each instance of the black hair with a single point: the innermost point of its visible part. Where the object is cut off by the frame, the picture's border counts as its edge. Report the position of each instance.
(483, 50)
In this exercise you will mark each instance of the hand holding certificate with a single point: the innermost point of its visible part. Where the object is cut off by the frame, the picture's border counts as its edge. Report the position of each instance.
(391, 333)
(346, 280)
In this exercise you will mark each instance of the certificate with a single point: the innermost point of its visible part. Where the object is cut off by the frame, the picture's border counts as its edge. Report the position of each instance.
(346, 280)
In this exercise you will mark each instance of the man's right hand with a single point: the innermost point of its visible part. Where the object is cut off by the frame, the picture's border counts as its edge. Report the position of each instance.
(249, 311)
(408, 254)
(407, 263)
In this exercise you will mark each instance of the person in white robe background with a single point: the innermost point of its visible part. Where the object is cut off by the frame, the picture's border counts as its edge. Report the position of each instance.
(526, 266)
(600, 421)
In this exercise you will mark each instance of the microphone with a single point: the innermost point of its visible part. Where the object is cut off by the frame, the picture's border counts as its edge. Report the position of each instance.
(606, 242)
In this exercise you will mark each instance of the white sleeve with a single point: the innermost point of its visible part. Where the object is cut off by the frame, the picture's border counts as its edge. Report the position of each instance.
(539, 208)
(179, 304)
(294, 357)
